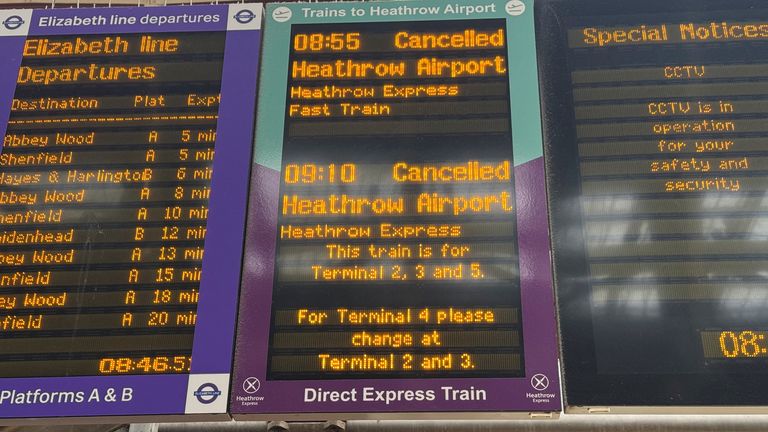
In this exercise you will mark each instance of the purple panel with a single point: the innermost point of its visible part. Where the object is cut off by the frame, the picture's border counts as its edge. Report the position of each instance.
(258, 273)
(503, 394)
(150, 394)
(141, 15)
(538, 298)
(11, 48)
(214, 332)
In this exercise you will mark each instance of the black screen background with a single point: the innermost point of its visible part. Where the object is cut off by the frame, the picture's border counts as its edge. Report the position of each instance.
(379, 146)
(96, 221)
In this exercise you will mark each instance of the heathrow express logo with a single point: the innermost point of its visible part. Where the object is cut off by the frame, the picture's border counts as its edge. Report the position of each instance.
(282, 14)
(13, 22)
(207, 393)
(515, 7)
(540, 382)
(251, 385)
(244, 16)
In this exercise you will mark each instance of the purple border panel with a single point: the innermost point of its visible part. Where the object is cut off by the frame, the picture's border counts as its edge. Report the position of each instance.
(253, 321)
(149, 394)
(537, 292)
(215, 328)
(503, 394)
(137, 13)
(11, 48)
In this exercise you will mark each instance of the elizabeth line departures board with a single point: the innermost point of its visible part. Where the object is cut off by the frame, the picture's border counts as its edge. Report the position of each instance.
(108, 205)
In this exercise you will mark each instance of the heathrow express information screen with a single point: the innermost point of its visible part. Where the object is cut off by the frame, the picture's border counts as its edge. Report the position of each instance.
(397, 231)
(108, 202)
(659, 201)
(411, 205)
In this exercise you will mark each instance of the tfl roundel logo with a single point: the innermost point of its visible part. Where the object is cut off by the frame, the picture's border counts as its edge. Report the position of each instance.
(207, 393)
(13, 22)
(244, 16)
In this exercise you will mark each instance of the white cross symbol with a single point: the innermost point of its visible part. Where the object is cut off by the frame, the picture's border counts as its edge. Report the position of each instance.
(540, 382)
(251, 385)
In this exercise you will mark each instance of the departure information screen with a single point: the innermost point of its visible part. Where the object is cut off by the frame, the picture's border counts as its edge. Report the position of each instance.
(396, 240)
(658, 178)
(381, 194)
(105, 202)
(106, 185)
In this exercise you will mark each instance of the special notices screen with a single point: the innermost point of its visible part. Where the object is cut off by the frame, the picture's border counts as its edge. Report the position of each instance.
(658, 184)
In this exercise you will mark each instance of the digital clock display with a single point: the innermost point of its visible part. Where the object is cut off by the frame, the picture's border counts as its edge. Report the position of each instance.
(730, 344)
(127, 365)
(322, 42)
(311, 173)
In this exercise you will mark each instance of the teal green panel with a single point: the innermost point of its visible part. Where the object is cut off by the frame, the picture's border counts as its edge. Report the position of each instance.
(523, 79)
(524, 86)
